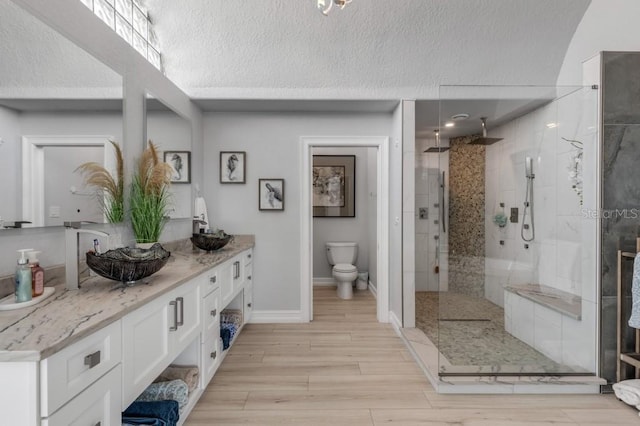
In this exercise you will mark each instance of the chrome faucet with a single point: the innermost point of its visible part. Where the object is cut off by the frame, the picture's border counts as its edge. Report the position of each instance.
(197, 221)
(72, 251)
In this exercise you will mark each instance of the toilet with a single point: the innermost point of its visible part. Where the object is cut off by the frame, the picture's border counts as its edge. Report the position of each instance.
(342, 256)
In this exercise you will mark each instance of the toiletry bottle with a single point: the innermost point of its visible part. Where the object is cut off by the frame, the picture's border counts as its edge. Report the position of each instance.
(23, 278)
(37, 274)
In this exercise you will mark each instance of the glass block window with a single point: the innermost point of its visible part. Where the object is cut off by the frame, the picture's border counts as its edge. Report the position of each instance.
(130, 20)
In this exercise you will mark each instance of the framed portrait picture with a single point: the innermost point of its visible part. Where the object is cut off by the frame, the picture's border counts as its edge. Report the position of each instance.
(334, 185)
(271, 194)
(233, 166)
(180, 162)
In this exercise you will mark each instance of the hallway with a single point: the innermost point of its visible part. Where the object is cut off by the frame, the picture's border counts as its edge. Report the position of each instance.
(358, 372)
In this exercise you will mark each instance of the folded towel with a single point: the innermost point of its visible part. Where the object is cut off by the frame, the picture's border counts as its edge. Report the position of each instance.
(628, 391)
(187, 373)
(135, 421)
(167, 411)
(634, 321)
(232, 329)
(176, 390)
(225, 334)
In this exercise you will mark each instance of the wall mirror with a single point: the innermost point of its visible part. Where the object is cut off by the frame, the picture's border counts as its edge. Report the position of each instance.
(171, 133)
(66, 105)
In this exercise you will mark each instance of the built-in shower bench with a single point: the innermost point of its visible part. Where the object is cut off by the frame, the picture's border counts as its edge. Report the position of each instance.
(557, 300)
(541, 316)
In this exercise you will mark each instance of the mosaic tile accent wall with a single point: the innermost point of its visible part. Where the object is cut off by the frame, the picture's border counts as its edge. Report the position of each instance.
(466, 217)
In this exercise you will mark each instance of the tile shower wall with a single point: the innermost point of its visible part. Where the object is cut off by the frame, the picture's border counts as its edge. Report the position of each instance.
(429, 233)
(555, 257)
(620, 190)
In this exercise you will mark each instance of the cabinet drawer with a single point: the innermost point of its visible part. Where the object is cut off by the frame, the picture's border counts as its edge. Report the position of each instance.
(68, 372)
(211, 281)
(247, 257)
(211, 315)
(211, 356)
(99, 405)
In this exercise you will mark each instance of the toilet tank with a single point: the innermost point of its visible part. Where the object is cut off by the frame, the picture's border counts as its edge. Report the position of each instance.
(342, 252)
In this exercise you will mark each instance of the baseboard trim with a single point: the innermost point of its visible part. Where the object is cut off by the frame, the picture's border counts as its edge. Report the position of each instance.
(324, 282)
(373, 290)
(395, 322)
(275, 317)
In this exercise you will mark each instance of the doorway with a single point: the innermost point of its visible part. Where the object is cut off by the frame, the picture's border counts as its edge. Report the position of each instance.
(382, 218)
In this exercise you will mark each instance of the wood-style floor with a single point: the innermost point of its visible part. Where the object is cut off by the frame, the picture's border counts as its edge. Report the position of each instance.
(344, 368)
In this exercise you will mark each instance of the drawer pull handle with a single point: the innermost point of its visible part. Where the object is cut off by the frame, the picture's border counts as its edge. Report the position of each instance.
(248, 305)
(214, 312)
(180, 301)
(214, 355)
(92, 359)
(175, 315)
(249, 277)
(249, 255)
(213, 279)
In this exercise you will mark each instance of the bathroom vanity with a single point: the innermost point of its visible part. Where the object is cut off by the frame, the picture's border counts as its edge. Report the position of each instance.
(82, 356)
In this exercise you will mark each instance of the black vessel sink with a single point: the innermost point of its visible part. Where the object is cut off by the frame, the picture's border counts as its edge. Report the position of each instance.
(128, 264)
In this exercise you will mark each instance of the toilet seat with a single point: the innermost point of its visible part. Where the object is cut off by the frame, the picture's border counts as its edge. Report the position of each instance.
(344, 268)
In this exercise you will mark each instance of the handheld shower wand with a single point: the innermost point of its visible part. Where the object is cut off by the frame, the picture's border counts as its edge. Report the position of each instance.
(528, 201)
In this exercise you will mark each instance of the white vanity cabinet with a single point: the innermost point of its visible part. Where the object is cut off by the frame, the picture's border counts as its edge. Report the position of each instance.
(155, 334)
(89, 378)
(79, 385)
(248, 285)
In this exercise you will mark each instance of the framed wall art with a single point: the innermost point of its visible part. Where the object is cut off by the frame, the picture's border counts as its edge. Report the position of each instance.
(233, 167)
(180, 162)
(334, 185)
(271, 194)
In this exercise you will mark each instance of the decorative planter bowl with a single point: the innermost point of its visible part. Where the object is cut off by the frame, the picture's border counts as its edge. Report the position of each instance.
(210, 242)
(128, 264)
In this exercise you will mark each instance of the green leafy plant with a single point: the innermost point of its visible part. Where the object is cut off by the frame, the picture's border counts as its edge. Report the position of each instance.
(150, 196)
(110, 189)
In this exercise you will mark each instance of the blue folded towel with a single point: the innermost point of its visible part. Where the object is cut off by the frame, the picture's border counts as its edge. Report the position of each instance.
(167, 411)
(227, 332)
(135, 421)
(163, 391)
(634, 321)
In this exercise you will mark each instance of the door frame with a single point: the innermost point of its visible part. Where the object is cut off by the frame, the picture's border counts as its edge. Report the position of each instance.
(33, 207)
(382, 218)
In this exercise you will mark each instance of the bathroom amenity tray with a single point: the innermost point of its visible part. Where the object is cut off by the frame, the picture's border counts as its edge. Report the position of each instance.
(8, 303)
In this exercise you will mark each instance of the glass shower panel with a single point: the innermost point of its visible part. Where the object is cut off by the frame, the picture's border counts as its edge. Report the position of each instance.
(511, 297)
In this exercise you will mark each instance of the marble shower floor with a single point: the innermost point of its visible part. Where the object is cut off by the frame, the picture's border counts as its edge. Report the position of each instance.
(469, 332)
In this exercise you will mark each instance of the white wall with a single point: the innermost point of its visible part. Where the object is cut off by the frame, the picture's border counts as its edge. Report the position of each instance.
(345, 229)
(606, 25)
(10, 164)
(272, 144)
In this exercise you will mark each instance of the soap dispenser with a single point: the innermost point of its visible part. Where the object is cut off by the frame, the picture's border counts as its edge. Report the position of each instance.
(23, 277)
(37, 274)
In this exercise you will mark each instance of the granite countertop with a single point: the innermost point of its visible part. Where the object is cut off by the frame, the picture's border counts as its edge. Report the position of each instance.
(37, 332)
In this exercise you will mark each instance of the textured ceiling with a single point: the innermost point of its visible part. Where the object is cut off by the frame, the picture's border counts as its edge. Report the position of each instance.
(37, 62)
(373, 49)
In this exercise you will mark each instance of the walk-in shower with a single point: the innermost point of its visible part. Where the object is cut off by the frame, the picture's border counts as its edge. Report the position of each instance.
(528, 230)
(498, 306)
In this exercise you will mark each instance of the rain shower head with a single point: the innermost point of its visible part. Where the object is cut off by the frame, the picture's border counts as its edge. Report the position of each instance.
(484, 140)
(437, 149)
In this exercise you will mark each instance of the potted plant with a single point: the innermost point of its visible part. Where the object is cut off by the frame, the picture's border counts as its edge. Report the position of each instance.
(110, 188)
(150, 196)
